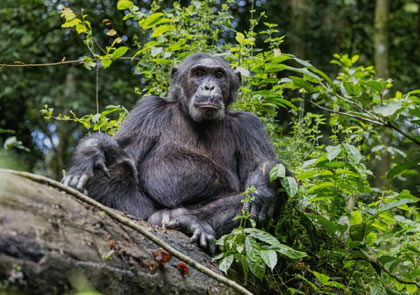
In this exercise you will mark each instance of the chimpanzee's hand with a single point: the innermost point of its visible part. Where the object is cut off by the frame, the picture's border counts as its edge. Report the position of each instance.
(182, 219)
(89, 158)
(261, 208)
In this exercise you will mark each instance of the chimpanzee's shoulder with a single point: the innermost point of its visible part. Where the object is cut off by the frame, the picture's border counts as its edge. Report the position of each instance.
(150, 104)
(242, 119)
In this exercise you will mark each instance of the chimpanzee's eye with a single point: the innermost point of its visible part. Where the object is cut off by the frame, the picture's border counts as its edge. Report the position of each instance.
(199, 73)
(219, 75)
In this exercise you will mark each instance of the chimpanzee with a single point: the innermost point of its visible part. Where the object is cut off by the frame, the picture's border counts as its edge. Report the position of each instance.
(185, 160)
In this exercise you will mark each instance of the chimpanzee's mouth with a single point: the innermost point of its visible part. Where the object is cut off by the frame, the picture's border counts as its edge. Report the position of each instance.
(208, 106)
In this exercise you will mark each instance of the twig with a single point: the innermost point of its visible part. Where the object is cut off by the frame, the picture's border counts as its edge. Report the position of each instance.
(384, 124)
(97, 88)
(371, 259)
(131, 224)
(348, 115)
(80, 61)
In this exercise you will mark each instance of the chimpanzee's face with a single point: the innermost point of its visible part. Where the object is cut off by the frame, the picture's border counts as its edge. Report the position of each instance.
(204, 85)
(209, 90)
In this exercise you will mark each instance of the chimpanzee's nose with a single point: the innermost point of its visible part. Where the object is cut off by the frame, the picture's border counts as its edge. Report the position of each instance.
(208, 87)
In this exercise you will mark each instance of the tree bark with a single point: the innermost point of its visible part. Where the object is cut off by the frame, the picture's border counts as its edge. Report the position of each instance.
(381, 39)
(52, 243)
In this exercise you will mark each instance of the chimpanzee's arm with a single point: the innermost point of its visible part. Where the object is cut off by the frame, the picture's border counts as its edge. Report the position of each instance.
(133, 140)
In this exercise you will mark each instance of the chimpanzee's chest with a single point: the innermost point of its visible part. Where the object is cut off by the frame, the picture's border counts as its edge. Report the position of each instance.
(184, 171)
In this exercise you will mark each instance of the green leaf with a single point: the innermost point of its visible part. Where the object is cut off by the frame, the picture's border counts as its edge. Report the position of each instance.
(289, 252)
(257, 267)
(392, 205)
(387, 110)
(106, 61)
(71, 23)
(290, 185)
(376, 85)
(269, 257)
(357, 232)
(323, 279)
(333, 152)
(278, 171)
(371, 238)
(124, 4)
(153, 20)
(120, 51)
(156, 51)
(262, 236)
(352, 153)
(251, 247)
(356, 218)
(225, 263)
(162, 29)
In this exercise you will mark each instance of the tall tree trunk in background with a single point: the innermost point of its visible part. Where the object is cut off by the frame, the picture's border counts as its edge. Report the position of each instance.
(382, 71)
(298, 27)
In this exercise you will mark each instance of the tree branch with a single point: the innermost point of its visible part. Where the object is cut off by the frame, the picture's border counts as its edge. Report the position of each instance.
(126, 220)
(80, 61)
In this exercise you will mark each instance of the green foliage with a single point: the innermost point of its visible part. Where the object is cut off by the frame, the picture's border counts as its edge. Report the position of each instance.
(338, 233)
(96, 122)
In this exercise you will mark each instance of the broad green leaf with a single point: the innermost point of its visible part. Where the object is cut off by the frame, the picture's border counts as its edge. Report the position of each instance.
(392, 205)
(356, 218)
(269, 257)
(278, 171)
(388, 109)
(262, 236)
(156, 51)
(162, 29)
(290, 185)
(333, 152)
(257, 267)
(225, 263)
(71, 23)
(251, 247)
(322, 185)
(357, 232)
(376, 85)
(352, 153)
(153, 20)
(371, 238)
(323, 279)
(106, 61)
(289, 252)
(120, 51)
(378, 289)
(124, 4)
(412, 289)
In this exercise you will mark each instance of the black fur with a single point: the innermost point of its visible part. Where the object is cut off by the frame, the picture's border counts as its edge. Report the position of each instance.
(183, 161)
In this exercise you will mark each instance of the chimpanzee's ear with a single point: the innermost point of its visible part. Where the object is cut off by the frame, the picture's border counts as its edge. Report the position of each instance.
(174, 73)
(238, 74)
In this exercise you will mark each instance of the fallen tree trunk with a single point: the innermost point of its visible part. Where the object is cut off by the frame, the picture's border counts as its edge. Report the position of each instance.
(53, 243)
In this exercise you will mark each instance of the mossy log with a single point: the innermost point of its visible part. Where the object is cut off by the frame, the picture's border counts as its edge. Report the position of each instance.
(53, 243)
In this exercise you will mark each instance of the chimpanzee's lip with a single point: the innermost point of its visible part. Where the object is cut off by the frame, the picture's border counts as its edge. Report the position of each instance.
(208, 106)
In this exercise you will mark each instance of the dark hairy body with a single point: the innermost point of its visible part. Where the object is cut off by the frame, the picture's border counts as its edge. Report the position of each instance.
(183, 161)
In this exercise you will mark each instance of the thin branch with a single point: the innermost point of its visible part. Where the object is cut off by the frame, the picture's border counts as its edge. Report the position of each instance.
(348, 115)
(133, 225)
(371, 259)
(396, 128)
(79, 61)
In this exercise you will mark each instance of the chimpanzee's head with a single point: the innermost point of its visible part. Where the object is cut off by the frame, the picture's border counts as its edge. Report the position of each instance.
(204, 85)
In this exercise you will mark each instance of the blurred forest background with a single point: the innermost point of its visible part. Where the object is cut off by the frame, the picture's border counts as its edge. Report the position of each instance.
(347, 123)
(31, 32)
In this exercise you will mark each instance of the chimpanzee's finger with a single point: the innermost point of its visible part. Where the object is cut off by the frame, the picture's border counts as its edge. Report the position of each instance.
(82, 182)
(212, 244)
(74, 181)
(101, 165)
(173, 224)
(203, 240)
(195, 236)
(66, 180)
(262, 216)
